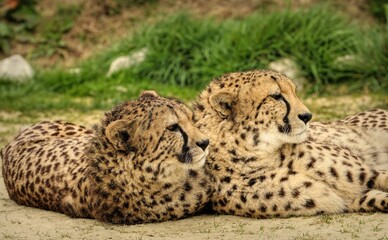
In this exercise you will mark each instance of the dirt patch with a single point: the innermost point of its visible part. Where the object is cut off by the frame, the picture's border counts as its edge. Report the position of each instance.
(18, 222)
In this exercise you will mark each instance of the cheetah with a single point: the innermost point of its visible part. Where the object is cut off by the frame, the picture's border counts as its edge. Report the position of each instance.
(365, 134)
(262, 161)
(143, 163)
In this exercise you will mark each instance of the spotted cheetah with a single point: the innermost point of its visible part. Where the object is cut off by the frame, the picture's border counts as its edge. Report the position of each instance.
(263, 163)
(365, 134)
(143, 163)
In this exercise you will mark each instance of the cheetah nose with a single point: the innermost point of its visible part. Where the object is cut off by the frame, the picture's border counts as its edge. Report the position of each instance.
(305, 117)
(203, 144)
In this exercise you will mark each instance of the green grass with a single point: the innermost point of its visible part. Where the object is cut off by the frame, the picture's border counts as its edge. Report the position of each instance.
(185, 53)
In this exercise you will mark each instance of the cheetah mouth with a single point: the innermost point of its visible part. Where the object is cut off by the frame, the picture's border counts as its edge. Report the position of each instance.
(192, 157)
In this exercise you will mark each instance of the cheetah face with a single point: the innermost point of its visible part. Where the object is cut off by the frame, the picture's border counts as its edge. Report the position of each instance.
(191, 146)
(261, 107)
(159, 133)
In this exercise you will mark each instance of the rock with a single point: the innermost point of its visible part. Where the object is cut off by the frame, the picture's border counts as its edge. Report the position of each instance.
(346, 60)
(289, 68)
(16, 68)
(75, 71)
(124, 62)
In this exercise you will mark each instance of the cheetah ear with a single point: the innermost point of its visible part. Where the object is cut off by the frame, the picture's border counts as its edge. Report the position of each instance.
(119, 134)
(222, 103)
(148, 94)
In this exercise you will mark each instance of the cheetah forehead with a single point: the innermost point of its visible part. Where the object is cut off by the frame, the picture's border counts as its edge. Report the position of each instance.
(266, 81)
(141, 108)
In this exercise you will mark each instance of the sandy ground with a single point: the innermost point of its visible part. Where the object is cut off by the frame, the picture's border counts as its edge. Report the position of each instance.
(19, 222)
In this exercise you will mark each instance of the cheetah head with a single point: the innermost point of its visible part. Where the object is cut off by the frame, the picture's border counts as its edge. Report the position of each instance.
(157, 132)
(259, 108)
(147, 162)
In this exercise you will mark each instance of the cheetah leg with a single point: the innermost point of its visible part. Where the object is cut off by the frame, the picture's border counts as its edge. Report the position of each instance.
(283, 195)
(381, 181)
(372, 200)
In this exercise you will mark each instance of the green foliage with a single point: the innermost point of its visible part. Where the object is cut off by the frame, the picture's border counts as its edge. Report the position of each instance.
(5, 36)
(20, 20)
(379, 8)
(189, 52)
(184, 53)
(51, 31)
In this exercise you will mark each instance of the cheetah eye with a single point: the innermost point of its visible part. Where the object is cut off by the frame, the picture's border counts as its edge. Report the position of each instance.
(174, 127)
(277, 96)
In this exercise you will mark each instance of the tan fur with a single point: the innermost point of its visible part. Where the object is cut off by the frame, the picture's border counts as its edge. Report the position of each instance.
(133, 168)
(365, 134)
(262, 160)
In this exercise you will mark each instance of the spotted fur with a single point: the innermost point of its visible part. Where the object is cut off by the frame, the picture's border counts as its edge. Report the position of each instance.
(262, 160)
(365, 134)
(143, 163)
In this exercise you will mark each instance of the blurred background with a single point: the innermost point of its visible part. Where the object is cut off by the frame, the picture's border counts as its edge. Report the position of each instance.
(86, 55)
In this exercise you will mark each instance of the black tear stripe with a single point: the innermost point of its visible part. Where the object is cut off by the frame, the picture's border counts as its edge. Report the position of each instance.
(287, 126)
(185, 139)
(185, 148)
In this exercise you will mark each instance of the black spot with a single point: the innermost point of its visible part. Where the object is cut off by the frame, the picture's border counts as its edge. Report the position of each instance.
(371, 203)
(262, 178)
(333, 172)
(238, 206)
(321, 174)
(362, 177)
(256, 139)
(282, 157)
(112, 185)
(309, 203)
(371, 182)
(349, 176)
(233, 152)
(295, 193)
(252, 181)
(187, 187)
(287, 207)
(242, 135)
(283, 179)
(226, 179)
(182, 197)
(193, 173)
(142, 178)
(282, 193)
(243, 198)
(200, 107)
(269, 195)
(274, 208)
(263, 208)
